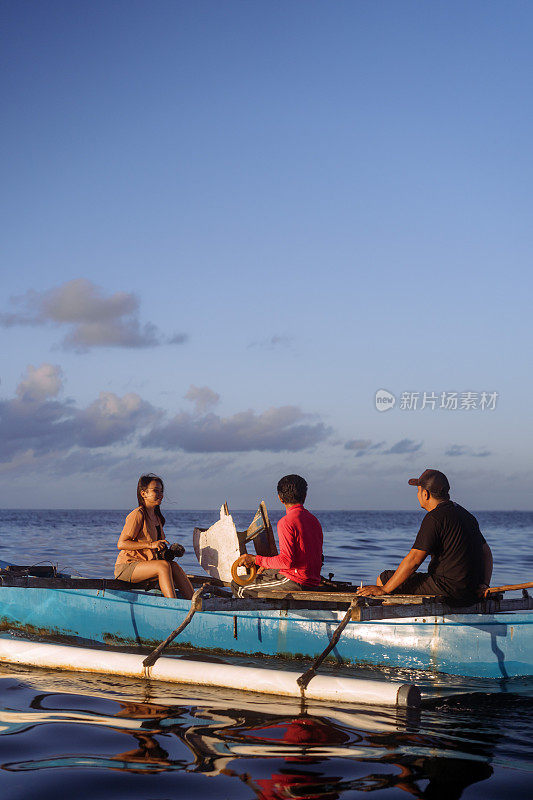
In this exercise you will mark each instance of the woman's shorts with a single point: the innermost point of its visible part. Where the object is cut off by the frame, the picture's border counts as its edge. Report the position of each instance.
(124, 571)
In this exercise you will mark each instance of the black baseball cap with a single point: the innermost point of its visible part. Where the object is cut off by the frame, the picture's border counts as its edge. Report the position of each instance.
(433, 481)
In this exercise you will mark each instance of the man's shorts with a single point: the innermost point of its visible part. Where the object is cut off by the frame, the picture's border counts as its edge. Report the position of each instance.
(269, 580)
(419, 583)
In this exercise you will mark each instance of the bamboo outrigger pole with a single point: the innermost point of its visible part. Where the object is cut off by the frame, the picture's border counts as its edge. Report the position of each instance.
(304, 679)
(196, 605)
(509, 588)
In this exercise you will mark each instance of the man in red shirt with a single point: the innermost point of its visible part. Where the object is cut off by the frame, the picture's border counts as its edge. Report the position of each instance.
(300, 537)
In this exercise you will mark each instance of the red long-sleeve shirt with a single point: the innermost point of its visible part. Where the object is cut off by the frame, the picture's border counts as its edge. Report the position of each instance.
(300, 547)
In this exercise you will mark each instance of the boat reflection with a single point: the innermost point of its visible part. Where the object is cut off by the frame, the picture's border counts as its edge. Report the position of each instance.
(278, 750)
(244, 744)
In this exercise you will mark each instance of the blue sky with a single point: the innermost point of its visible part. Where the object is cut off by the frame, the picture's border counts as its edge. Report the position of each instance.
(226, 225)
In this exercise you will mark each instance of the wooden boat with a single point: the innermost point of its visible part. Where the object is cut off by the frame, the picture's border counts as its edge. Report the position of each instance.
(491, 639)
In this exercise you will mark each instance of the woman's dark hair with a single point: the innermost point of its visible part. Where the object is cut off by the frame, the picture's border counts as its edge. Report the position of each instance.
(142, 485)
(292, 489)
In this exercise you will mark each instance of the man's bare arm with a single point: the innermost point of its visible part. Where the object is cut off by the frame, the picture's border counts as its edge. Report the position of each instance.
(135, 544)
(408, 566)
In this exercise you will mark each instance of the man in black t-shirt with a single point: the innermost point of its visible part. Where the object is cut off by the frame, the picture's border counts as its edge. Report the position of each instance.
(461, 560)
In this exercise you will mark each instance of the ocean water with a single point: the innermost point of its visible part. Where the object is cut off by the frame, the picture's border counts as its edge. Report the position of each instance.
(93, 736)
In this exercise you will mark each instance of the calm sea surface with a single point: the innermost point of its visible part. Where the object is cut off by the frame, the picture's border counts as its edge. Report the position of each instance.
(90, 736)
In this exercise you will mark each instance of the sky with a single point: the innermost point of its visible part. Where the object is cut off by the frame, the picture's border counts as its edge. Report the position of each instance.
(226, 225)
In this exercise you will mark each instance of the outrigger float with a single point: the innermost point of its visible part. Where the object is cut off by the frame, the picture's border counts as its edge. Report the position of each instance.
(491, 639)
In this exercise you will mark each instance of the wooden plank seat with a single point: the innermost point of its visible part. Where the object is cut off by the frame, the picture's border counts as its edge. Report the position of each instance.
(339, 596)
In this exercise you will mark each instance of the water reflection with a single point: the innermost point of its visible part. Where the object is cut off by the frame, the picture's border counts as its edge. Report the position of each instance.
(273, 749)
(149, 751)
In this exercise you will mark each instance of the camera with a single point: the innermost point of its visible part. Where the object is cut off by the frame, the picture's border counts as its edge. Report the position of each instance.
(171, 552)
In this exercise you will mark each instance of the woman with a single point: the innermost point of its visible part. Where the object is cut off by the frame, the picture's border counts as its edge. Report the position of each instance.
(142, 540)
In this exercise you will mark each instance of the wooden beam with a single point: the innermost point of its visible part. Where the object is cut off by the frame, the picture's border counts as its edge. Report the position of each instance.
(338, 597)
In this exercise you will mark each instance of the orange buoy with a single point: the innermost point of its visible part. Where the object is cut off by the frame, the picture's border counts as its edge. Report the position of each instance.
(251, 572)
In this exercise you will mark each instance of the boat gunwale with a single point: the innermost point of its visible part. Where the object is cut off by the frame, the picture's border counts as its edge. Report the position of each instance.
(487, 611)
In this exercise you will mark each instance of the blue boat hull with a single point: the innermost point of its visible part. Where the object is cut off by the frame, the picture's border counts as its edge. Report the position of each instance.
(488, 646)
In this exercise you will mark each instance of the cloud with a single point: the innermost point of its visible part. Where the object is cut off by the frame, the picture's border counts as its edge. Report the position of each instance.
(203, 398)
(40, 383)
(404, 446)
(33, 421)
(37, 425)
(111, 419)
(358, 444)
(463, 450)
(272, 342)
(363, 447)
(93, 319)
(178, 338)
(456, 450)
(275, 430)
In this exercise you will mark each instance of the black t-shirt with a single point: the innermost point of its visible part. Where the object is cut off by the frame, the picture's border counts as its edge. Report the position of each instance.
(451, 535)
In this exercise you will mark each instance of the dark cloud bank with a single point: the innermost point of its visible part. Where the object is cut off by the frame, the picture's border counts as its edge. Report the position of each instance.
(37, 421)
(274, 430)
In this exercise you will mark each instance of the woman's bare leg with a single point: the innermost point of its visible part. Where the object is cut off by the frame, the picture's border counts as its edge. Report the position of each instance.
(155, 569)
(181, 581)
